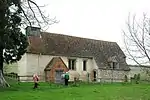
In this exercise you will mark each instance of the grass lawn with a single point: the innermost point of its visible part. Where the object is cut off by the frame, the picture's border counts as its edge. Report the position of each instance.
(24, 91)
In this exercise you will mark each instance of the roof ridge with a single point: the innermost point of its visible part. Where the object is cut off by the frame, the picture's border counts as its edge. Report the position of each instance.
(77, 37)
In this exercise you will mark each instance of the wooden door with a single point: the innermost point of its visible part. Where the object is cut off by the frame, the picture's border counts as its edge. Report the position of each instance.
(58, 74)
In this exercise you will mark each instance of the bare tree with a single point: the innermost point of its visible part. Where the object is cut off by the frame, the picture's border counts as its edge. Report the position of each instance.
(33, 15)
(137, 40)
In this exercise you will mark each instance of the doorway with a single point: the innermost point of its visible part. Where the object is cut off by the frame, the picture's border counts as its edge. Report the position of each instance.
(54, 69)
(58, 74)
(94, 72)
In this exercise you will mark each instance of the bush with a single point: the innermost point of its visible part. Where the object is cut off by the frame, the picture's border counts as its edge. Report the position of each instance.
(137, 78)
(76, 80)
(125, 78)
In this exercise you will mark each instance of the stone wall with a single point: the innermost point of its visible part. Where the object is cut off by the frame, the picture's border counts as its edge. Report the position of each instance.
(111, 75)
(140, 70)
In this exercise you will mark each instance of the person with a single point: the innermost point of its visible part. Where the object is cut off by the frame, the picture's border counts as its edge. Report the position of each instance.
(66, 78)
(35, 79)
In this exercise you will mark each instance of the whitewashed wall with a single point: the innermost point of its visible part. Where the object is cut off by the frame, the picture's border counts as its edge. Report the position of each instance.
(79, 73)
(37, 63)
(11, 68)
(22, 67)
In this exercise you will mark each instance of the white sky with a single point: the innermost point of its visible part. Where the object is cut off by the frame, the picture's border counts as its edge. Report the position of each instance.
(97, 19)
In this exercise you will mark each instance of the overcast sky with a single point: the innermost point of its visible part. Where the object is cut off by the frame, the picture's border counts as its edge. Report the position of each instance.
(97, 19)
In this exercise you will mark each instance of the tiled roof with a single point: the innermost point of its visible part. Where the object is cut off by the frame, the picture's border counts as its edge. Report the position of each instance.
(70, 46)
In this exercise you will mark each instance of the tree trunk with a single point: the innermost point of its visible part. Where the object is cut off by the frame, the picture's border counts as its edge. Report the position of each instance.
(3, 82)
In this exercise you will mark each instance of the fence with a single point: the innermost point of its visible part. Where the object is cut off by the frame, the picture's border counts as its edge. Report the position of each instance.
(29, 78)
(15, 77)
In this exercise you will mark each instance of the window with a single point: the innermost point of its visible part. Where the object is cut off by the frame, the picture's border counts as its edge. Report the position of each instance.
(84, 65)
(71, 64)
(113, 65)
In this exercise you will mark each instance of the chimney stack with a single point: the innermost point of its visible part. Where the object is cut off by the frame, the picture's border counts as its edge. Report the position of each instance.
(33, 31)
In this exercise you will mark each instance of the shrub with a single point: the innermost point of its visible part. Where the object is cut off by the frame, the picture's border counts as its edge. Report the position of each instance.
(76, 80)
(137, 78)
(125, 78)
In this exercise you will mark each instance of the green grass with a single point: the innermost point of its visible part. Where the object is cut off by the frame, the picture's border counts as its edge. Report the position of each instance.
(24, 91)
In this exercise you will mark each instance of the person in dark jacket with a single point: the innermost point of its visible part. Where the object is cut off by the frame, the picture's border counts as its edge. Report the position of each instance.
(66, 78)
